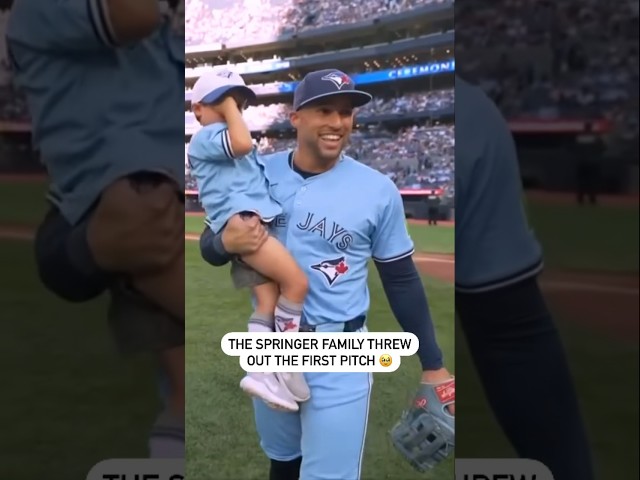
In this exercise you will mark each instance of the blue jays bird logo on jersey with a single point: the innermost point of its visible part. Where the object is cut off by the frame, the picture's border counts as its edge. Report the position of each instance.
(339, 80)
(332, 269)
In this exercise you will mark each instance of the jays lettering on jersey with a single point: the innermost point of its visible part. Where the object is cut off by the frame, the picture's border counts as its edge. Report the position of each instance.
(227, 185)
(99, 110)
(334, 223)
(494, 245)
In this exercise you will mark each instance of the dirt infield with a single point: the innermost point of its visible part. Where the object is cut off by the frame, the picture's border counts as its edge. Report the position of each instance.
(23, 178)
(444, 223)
(439, 266)
(412, 221)
(16, 232)
(606, 302)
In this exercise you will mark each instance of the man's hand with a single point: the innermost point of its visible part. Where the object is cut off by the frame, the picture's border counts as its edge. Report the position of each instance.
(438, 376)
(134, 231)
(243, 236)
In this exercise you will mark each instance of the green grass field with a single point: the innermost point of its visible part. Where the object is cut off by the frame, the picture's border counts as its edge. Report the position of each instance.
(221, 433)
(22, 203)
(601, 238)
(68, 399)
(237, 450)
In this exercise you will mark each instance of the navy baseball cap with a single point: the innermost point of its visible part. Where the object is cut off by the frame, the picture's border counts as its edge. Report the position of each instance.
(326, 83)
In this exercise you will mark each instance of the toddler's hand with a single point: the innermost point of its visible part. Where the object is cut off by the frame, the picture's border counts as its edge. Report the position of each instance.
(228, 106)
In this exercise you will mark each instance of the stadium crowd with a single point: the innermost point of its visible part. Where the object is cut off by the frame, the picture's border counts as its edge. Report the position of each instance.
(415, 157)
(554, 65)
(213, 22)
(259, 117)
(545, 63)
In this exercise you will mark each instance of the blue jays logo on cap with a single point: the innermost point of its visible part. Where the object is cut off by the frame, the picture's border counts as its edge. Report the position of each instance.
(339, 79)
(224, 73)
(325, 83)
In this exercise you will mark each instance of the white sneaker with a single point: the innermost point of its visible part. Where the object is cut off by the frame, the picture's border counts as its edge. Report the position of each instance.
(296, 385)
(266, 387)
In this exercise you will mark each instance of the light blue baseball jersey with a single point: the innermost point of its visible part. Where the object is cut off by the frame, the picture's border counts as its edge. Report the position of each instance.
(494, 244)
(99, 110)
(227, 185)
(334, 223)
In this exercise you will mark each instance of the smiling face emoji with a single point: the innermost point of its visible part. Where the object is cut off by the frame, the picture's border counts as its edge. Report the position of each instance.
(385, 360)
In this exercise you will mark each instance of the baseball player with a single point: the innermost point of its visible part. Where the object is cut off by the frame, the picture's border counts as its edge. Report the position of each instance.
(231, 182)
(338, 214)
(512, 338)
(102, 79)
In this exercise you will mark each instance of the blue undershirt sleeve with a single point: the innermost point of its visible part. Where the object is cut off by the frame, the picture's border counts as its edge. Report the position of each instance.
(408, 301)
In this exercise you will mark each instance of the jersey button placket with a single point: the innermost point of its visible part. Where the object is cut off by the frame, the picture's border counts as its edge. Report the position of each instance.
(299, 195)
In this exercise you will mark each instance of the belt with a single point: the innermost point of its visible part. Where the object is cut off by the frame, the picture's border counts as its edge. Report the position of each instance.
(352, 325)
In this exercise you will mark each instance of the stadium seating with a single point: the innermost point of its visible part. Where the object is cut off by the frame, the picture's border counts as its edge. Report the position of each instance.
(211, 22)
(560, 67)
(555, 65)
(416, 157)
(260, 117)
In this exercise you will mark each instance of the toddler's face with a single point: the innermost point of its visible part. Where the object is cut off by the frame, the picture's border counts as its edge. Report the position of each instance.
(206, 114)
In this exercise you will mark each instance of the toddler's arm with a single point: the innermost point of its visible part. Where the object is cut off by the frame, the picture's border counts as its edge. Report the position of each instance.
(239, 134)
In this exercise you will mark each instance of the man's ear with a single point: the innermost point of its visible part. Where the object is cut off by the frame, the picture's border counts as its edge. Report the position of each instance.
(294, 119)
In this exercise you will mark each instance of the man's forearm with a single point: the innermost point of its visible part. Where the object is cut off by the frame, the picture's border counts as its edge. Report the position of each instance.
(408, 301)
(212, 249)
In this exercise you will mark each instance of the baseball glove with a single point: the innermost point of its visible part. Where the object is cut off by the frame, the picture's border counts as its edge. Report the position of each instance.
(425, 434)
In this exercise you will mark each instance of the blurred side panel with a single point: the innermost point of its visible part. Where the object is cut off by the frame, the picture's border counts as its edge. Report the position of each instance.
(547, 234)
(78, 386)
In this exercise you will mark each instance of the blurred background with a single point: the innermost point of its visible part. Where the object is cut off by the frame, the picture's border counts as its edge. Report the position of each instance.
(568, 73)
(565, 75)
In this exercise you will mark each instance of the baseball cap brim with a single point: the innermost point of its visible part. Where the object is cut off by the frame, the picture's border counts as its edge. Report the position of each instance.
(358, 98)
(215, 95)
